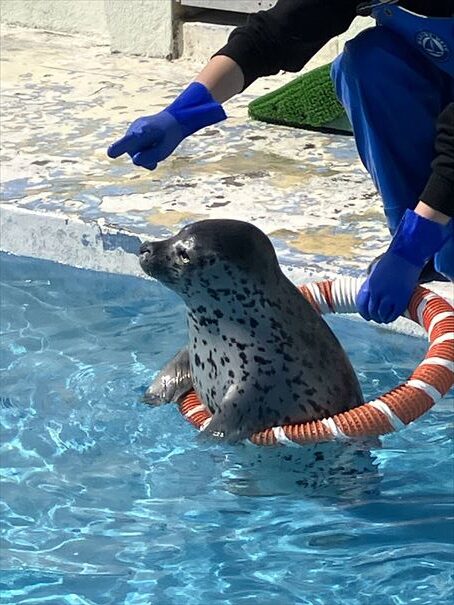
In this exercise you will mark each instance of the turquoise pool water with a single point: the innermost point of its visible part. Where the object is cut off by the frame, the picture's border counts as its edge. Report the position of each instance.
(107, 501)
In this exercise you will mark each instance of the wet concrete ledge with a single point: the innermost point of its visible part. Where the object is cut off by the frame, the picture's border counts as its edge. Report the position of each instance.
(101, 247)
(307, 190)
(69, 240)
(85, 244)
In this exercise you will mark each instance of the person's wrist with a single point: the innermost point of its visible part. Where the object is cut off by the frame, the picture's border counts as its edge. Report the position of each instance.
(426, 211)
(195, 108)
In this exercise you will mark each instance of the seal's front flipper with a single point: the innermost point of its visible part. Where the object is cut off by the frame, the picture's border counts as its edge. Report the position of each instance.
(228, 422)
(172, 382)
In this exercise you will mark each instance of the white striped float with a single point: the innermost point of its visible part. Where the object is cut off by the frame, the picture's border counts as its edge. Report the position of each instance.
(390, 412)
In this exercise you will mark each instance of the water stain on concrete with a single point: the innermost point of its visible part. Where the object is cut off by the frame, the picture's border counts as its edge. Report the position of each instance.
(173, 219)
(325, 240)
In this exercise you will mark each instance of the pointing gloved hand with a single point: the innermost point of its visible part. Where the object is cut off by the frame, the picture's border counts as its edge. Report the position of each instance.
(387, 291)
(151, 139)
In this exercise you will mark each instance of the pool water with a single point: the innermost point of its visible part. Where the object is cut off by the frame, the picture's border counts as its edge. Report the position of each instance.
(108, 501)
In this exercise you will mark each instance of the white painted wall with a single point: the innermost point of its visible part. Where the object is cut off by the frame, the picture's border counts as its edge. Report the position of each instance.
(142, 27)
(83, 16)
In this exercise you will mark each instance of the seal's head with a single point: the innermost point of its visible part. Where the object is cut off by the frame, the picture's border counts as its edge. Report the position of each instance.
(210, 253)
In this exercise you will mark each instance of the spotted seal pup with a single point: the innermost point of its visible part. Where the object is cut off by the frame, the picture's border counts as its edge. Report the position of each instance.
(259, 355)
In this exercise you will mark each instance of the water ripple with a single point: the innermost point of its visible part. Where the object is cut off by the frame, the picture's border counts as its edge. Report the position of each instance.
(107, 501)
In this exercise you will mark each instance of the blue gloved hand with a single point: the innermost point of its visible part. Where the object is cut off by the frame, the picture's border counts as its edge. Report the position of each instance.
(387, 291)
(151, 139)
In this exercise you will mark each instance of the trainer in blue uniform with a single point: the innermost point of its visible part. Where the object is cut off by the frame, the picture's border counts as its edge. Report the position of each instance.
(396, 82)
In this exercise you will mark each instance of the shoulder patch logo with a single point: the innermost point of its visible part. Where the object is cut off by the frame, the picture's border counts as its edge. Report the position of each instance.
(433, 45)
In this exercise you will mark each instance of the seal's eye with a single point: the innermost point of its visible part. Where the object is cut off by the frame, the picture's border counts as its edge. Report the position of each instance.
(183, 256)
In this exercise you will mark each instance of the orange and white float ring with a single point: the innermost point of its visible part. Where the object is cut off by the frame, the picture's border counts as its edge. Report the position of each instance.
(390, 412)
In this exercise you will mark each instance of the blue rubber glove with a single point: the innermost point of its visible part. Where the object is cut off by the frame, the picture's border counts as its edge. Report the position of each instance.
(387, 291)
(151, 139)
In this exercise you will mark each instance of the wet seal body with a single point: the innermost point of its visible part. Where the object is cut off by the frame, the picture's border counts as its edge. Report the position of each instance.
(259, 355)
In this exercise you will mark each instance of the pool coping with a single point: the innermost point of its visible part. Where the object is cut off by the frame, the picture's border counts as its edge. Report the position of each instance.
(69, 240)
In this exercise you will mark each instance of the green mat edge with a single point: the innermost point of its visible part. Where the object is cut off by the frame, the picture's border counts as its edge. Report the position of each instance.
(302, 126)
(255, 108)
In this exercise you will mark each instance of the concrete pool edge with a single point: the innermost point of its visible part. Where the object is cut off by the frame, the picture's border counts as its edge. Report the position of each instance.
(69, 240)
(85, 244)
(98, 246)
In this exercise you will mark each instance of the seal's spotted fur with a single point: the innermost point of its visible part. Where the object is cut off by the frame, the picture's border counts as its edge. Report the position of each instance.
(259, 354)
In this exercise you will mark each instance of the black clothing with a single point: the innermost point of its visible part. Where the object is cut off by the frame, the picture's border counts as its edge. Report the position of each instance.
(439, 191)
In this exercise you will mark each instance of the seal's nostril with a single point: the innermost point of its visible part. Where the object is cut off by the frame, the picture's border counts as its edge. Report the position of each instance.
(146, 247)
